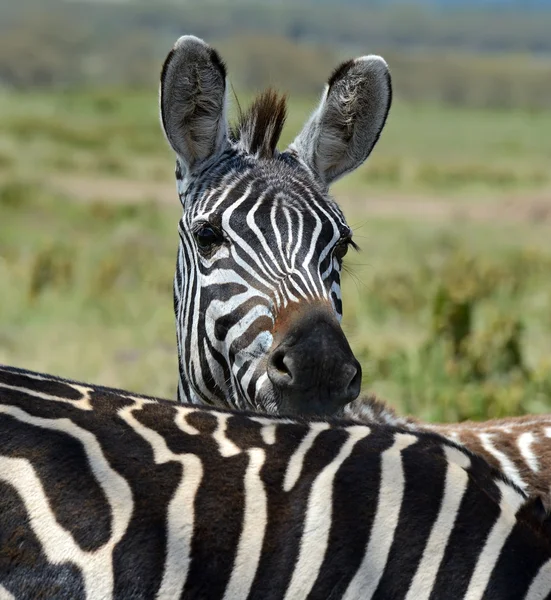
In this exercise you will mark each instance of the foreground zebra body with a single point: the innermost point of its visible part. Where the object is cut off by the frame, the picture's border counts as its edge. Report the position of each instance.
(108, 495)
(257, 282)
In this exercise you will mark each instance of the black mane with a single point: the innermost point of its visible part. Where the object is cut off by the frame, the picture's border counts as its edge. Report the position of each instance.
(258, 128)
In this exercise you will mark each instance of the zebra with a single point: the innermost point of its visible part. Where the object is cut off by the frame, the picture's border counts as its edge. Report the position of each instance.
(109, 495)
(257, 293)
(256, 329)
(520, 447)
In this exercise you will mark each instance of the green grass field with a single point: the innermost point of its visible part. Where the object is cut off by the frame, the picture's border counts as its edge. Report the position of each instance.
(448, 305)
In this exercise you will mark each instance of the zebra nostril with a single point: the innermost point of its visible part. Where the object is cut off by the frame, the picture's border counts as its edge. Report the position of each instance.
(279, 370)
(279, 364)
(355, 384)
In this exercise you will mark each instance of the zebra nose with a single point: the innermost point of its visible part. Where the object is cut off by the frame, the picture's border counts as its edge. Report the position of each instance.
(314, 371)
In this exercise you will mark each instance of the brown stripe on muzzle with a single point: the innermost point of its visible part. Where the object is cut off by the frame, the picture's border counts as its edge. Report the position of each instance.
(311, 365)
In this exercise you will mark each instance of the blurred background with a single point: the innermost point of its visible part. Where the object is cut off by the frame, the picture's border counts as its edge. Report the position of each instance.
(448, 304)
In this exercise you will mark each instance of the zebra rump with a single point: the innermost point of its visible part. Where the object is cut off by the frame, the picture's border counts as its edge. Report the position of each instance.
(105, 494)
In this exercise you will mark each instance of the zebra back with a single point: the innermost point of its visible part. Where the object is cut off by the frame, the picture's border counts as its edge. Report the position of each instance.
(105, 494)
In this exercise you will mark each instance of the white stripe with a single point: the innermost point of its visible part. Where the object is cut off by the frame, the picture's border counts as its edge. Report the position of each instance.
(5, 595)
(294, 468)
(297, 272)
(336, 289)
(239, 241)
(315, 535)
(269, 428)
(178, 281)
(308, 259)
(225, 446)
(227, 187)
(277, 232)
(457, 480)
(240, 328)
(161, 451)
(82, 403)
(285, 252)
(507, 465)
(268, 433)
(190, 363)
(511, 501)
(181, 421)
(336, 234)
(255, 520)
(286, 293)
(391, 494)
(58, 544)
(541, 585)
(289, 243)
(216, 373)
(181, 394)
(524, 442)
(220, 275)
(255, 352)
(180, 527)
(254, 227)
(263, 379)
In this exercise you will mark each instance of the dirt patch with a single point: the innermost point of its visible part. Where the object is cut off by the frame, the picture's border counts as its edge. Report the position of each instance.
(115, 190)
(527, 207)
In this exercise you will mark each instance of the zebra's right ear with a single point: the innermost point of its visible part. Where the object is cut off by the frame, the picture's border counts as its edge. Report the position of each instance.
(193, 102)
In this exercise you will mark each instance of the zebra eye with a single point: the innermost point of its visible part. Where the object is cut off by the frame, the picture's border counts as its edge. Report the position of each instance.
(340, 250)
(207, 236)
(342, 247)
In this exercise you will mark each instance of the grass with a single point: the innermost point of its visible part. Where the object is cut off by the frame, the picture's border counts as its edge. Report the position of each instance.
(450, 318)
(424, 147)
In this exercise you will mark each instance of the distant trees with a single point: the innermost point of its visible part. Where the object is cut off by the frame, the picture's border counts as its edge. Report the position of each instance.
(53, 47)
(467, 58)
(257, 61)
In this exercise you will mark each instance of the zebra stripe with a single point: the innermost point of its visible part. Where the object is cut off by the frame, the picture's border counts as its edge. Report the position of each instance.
(455, 487)
(507, 465)
(279, 237)
(509, 505)
(525, 442)
(391, 493)
(138, 498)
(317, 523)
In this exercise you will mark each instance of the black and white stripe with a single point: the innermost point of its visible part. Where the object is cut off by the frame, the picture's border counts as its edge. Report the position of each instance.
(226, 305)
(278, 237)
(104, 494)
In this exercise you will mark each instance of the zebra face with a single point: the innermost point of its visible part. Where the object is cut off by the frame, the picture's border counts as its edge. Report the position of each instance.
(257, 286)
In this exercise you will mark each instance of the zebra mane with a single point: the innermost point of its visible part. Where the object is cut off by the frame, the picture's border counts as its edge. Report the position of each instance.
(258, 129)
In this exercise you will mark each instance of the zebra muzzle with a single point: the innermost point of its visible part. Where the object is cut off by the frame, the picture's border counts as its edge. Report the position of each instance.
(312, 367)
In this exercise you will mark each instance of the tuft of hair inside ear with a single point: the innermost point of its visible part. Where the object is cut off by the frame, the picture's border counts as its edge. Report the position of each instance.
(259, 128)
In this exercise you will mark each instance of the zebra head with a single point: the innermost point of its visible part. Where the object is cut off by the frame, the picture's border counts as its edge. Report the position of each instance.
(257, 286)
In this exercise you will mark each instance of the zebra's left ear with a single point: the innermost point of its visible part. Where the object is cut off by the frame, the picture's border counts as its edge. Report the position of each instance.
(192, 101)
(349, 119)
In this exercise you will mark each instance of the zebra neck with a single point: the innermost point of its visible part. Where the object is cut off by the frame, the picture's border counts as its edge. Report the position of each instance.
(185, 394)
(371, 410)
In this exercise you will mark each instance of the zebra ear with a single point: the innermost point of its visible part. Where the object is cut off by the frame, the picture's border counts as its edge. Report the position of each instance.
(193, 101)
(349, 119)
